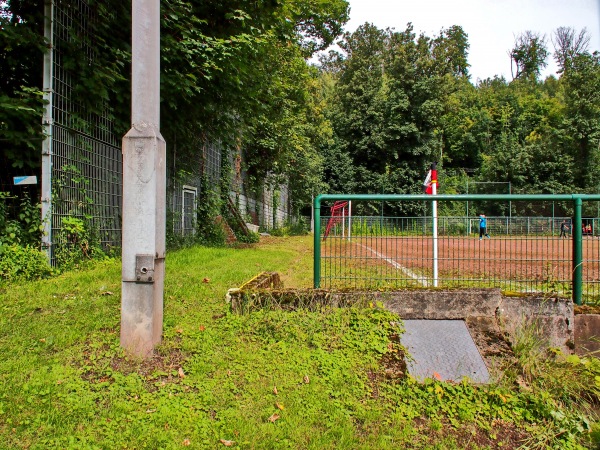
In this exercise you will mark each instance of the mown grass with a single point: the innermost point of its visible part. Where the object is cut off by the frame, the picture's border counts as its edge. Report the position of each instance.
(267, 380)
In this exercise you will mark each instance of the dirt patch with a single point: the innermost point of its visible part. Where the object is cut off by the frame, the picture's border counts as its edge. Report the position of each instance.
(392, 365)
(493, 344)
(501, 435)
(394, 361)
(587, 309)
(165, 366)
(267, 239)
(534, 259)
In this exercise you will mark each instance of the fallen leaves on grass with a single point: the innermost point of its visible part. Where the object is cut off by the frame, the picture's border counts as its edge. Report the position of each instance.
(274, 417)
(226, 443)
(181, 373)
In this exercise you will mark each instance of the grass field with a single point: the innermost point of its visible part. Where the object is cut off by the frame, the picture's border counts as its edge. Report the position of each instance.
(326, 379)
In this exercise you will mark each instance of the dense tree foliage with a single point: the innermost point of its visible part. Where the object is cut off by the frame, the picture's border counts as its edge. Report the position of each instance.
(398, 101)
(233, 72)
(368, 119)
(386, 106)
(22, 46)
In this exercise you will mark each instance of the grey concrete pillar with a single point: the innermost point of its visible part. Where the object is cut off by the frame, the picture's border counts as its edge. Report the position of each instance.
(144, 186)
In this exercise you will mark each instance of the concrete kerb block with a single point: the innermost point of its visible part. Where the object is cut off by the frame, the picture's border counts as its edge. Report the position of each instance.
(587, 334)
(264, 280)
(233, 295)
(437, 304)
(550, 319)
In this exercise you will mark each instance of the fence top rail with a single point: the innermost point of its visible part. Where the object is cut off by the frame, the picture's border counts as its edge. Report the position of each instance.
(465, 197)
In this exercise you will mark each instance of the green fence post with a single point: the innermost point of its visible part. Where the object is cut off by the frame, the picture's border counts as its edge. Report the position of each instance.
(317, 241)
(577, 252)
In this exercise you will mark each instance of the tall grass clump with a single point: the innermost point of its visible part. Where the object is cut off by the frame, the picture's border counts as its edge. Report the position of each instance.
(563, 388)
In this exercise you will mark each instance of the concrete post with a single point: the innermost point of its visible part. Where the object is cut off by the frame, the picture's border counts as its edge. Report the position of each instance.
(144, 196)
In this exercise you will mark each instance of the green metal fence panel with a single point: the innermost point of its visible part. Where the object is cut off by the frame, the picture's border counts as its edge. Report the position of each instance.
(82, 160)
(523, 254)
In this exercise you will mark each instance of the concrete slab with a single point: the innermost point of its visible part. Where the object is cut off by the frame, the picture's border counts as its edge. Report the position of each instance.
(587, 334)
(443, 347)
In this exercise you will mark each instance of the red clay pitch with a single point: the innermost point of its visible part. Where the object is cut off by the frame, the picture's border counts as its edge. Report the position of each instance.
(524, 258)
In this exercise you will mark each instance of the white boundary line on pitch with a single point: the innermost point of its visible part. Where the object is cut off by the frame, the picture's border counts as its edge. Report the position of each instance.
(406, 270)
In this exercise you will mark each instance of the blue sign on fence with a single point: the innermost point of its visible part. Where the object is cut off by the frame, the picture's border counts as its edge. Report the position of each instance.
(32, 179)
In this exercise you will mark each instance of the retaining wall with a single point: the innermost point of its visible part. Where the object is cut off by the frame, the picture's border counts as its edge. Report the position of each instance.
(551, 319)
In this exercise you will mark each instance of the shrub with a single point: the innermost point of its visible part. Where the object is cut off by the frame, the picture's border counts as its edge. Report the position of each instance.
(76, 243)
(456, 229)
(209, 229)
(297, 228)
(19, 225)
(250, 238)
(23, 263)
(211, 232)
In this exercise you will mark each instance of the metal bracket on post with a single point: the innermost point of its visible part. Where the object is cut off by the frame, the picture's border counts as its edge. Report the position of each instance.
(144, 268)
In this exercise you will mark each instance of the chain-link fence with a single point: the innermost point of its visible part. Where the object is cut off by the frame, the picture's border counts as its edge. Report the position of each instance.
(522, 254)
(81, 157)
(498, 225)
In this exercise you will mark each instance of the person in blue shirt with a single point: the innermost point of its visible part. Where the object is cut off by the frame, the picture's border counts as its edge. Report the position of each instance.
(483, 227)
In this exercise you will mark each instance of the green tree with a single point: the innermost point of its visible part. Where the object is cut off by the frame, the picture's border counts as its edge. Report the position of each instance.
(233, 72)
(21, 55)
(464, 127)
(528, 56)
(581, 124)
(389, 94)
(238, 72)
(450, 51)
(568, 43)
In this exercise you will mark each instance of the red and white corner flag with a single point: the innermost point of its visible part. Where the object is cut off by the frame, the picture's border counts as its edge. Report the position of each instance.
(431, 180)
(430, 187)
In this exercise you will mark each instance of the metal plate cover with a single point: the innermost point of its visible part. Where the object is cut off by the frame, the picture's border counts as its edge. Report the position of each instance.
(144, 268)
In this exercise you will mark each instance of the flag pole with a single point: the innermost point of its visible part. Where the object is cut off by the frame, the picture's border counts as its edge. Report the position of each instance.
(430, 187)
(435, 224)
(344, 222)
(350, 220)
